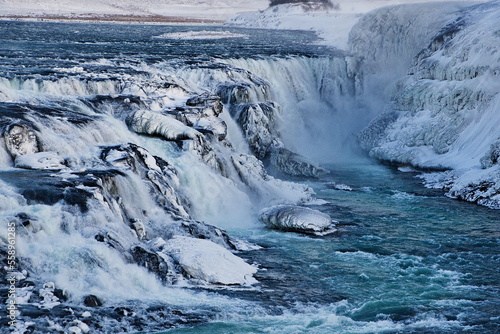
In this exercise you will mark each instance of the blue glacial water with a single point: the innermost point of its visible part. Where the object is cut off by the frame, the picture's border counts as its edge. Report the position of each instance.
(405, 259)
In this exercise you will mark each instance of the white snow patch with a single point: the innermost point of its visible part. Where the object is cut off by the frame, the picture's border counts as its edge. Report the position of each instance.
(331, 25)
(204, 34)
(205, 260)
(40, 161)
(203, 9)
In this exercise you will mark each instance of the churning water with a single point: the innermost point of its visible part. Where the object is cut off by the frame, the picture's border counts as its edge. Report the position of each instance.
(405, 259)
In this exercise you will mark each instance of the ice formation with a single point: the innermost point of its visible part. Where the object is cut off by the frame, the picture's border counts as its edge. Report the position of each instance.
(297, 219)
(444, 112)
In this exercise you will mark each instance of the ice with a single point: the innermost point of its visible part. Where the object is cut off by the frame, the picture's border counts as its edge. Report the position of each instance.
(297, 219)
(444, 112)
(205, 260)
(40, 161)
(180, 9)
(151, 123)
(200, 34)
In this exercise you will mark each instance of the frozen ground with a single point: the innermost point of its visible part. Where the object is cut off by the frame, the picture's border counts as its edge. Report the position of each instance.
(333, 25)
(149, 10)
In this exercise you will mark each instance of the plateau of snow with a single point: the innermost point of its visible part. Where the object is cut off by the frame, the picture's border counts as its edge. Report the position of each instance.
(68, 9)
(332, 25)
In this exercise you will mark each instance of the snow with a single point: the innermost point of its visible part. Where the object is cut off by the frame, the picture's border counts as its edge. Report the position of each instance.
(444, 112)
(332, 26)
(188, 35)
(205, 260)
(202, 10)
(297, 219)
(40, 160)
(151, 123)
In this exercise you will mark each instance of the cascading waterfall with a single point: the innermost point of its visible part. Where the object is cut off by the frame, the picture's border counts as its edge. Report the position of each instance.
(122, 175)
(113, 194)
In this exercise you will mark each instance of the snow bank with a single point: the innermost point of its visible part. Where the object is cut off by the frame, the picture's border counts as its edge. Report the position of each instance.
(206, 9)
(332, 25)
(188, 35)
(40, 160)
(444, 113)
(205, 260)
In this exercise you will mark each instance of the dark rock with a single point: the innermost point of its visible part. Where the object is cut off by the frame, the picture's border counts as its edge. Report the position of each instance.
(154, 263)
(25, 284)
(156, 172)
(61, 294)
(92, 301)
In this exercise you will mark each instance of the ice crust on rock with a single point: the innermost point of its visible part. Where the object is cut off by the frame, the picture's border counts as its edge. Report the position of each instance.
(444, 113)
(207, 261)
(20, 139)
(151, 123)
(294, 218)
(40, 160)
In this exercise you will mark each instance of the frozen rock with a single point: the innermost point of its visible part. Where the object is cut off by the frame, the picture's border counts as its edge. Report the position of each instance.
(444, 112)
(492, 157)
(258, 122)
(20, 140)
(156, 172)
(207, 261)
(152, 123)
(201, 122)
(74, 330)
(271, 191)
(49, 300)
(83, 326)
(294, 164)
(156, 262)
(40, 161)
(211, 104)
(200, 230)
(339, 186)
(479, 186)
(297, 219)
(138, 227)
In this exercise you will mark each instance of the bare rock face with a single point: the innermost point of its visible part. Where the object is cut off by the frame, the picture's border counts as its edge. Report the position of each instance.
(20, 140)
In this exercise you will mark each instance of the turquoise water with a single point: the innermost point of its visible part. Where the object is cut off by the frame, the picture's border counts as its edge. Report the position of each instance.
(405, 259)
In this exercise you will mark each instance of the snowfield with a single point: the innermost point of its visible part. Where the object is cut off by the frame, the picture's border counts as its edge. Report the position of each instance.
(332, 25)
(444, 113)
(202, 10)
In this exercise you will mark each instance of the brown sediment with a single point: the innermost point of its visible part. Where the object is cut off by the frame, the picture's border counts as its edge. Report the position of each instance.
(118, 18)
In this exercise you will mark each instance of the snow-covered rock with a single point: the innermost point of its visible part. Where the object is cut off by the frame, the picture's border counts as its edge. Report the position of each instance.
(207, 261)
(267, 188)
(297, 219)
(40, 161)
(444, 113)
(180, 9)
(294, 164)
(152, 123)
(20, 139)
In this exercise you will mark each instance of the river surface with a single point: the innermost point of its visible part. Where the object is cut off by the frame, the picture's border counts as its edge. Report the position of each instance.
(404, 259)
